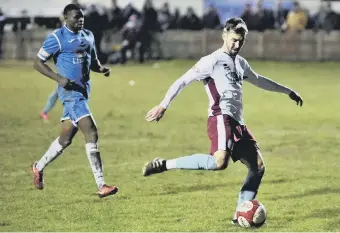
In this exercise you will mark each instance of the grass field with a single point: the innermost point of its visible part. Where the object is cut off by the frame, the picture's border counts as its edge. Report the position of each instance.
(300, 145)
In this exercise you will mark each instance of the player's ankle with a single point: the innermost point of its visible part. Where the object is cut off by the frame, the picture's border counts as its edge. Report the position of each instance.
(164, 167)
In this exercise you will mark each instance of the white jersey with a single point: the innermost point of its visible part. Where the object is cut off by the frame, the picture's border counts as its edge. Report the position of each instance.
(223, 77)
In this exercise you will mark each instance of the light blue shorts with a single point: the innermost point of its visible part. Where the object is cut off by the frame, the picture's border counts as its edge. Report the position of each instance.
(75, 105)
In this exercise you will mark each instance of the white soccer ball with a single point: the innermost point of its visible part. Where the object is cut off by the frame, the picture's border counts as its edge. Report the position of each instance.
(132, 83)
(251, 214)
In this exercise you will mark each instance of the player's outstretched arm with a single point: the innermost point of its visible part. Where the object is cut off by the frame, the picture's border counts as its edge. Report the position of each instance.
(201, 70)
(44, 69)
(270, 85)
(157, 112)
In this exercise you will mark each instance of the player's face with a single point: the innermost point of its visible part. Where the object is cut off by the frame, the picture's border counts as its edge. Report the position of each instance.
(75, 20)
(233, 42)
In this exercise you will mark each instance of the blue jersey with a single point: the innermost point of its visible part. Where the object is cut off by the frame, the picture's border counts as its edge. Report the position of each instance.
(72, 53)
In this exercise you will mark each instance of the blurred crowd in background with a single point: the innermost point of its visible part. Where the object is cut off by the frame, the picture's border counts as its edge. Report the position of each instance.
(139, 28)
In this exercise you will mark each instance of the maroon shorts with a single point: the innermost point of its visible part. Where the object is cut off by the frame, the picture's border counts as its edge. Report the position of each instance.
(227, 134)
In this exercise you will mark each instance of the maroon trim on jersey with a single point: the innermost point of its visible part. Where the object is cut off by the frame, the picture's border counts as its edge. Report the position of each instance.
(216, 110)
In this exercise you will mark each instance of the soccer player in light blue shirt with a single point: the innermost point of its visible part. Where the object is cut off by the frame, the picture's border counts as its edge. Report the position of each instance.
(73, 51)
(51, 101)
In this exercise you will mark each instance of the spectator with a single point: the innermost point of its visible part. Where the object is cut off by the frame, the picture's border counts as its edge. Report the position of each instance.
(115, 16)
(190, 21)
(164, 17)
(150, 17)
(280, 15)
(2, 25)
(128, 11)
(251, 19)
(265, 18)
(326, 18)
(175, 21)
(22, 35)
(211, 19)
(96, 22)
(296, 19)
(151, 25)
(134, 36)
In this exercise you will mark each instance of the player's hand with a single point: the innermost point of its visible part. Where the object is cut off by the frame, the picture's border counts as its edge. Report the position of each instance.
(65, 83)
(296, 97)
(106, 71)
(155, 114)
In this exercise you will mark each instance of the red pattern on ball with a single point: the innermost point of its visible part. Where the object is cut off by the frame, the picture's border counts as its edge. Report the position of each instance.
(249, 214)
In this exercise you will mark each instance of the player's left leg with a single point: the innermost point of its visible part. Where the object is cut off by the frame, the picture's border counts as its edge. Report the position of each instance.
(52, 99)
(88, 127)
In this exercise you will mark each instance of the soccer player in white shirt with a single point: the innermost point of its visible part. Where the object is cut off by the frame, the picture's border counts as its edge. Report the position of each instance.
(222, 73)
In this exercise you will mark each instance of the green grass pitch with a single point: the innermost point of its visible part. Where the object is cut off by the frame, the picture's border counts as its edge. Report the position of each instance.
(300, 189)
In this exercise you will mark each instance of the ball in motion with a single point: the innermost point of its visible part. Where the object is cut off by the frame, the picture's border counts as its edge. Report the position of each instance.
(251, 214)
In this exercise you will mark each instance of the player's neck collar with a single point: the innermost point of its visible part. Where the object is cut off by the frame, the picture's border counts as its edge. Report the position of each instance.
(70, 30)
(232, 56)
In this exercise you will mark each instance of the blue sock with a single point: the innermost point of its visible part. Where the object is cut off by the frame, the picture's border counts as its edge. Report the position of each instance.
(52, 99)
(244, 196)
(193, 162)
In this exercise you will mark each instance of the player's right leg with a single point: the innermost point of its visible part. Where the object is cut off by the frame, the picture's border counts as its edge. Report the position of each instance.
(247, 151)
(220, 136)
(52, 99)
(68, 131)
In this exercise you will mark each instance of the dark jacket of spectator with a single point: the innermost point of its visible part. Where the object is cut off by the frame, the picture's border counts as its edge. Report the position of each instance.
(2, 22)
(190, 21)
(116, 18)
(211, 19)
(164, 17)
(175, 20)
(326, 18)
(128, 11)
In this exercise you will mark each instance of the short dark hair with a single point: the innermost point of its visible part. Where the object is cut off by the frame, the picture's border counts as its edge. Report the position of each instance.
(236, 25)
(71, 7)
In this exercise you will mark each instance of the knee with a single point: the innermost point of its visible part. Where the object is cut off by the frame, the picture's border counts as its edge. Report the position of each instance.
(92, 136)
(65, 142)
(222, 160)
(261, 169)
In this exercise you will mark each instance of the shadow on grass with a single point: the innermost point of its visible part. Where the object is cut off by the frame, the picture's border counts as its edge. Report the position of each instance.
(4, 224)
(277, 181)
(315, 192)
(192, 188)
(175, 189)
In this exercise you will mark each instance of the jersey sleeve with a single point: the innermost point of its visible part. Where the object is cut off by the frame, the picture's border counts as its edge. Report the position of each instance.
(262, 82)
(201, 70)
(50, 47)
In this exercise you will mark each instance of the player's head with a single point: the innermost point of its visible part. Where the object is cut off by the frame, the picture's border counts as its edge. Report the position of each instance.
(234, 34)
(74, 17)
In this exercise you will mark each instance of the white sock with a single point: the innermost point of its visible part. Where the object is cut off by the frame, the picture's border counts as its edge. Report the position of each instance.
(171, 164)
(51, 154)
(96, 163)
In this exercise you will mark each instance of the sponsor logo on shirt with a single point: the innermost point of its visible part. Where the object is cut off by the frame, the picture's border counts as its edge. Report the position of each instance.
(233, 76)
